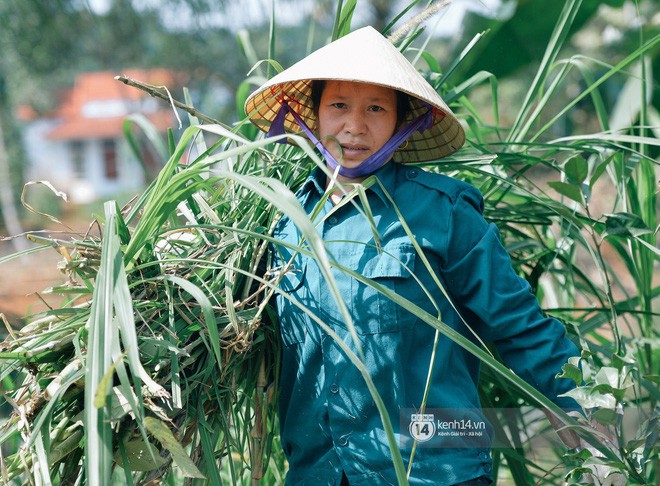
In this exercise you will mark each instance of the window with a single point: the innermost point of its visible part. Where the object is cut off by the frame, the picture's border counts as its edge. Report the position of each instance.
(77, 149)
(110, 159)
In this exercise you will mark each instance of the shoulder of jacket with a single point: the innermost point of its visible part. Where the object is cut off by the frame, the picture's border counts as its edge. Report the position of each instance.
(440, 183)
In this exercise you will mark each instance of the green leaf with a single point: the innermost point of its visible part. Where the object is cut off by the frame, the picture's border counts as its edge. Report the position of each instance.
(587, 399)
(343, 19)
(578, 472)
(580, 454)
(62, 449)
(605, 389)
(607, 376)
(568, 190)
(625, 225)
(164, 435)
(605, 416)
(141, 456)
(572, 372)
(600, 168)
(653, 378)
(576, 169)
(432, 62)
(120, 404)
(102, 334)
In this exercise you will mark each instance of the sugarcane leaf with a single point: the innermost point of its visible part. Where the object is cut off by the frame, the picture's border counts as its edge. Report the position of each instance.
(62, 449)
(101, 395)
(141, 456)
(431, 61)
(151, 133)
(207, 312)
(164, 435)
(98, 444)
(653, 378)
(47, 184)
(119, 404)
(343, 19)
(42, 450)
(53, 402)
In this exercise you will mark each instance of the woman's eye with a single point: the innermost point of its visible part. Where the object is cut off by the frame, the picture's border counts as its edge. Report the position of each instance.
(339, 105)
(375, 108)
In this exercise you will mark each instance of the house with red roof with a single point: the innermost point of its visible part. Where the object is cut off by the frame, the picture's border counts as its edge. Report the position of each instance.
(81, 148)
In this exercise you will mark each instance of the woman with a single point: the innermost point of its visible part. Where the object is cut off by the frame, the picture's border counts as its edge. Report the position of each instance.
(369, 112)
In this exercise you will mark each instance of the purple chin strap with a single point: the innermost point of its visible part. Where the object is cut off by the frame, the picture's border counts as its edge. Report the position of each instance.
(371, 164)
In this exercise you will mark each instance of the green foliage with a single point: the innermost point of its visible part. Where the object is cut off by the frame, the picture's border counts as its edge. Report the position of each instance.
(609, 310)
(521, 38)
(161, 364)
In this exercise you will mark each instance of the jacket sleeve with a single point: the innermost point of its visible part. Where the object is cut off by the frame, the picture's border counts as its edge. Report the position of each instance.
(500, 304)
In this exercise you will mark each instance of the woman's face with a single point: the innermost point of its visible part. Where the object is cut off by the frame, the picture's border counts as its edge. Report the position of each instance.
(355, 119)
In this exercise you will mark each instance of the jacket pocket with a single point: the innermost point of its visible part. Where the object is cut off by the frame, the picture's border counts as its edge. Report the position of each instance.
(392, 268)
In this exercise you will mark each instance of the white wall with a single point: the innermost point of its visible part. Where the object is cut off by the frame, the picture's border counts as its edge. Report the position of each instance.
(51, 160)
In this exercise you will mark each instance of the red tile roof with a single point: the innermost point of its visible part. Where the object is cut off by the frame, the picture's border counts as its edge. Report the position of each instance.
(101, 87)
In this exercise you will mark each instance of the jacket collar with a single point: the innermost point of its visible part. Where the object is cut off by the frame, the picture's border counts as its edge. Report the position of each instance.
(386, 175)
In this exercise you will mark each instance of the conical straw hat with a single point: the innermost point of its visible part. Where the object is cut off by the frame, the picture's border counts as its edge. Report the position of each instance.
(368, 57)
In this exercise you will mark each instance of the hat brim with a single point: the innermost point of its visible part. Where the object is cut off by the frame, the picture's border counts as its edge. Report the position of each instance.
(363, 56)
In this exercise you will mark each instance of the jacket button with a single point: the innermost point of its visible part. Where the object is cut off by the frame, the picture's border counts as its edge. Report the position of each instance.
(343, 441)
(334, 388)
(332, 220)
(412, 173)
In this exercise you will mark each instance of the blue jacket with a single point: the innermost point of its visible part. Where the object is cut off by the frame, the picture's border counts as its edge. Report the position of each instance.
(329, 422)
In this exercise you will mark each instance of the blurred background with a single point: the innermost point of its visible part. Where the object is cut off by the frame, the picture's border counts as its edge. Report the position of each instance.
(63, 116)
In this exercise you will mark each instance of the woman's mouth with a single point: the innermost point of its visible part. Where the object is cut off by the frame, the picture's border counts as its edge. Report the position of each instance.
(354, 149)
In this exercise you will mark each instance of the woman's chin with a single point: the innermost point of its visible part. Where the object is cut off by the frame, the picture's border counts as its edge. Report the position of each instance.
(352, 163)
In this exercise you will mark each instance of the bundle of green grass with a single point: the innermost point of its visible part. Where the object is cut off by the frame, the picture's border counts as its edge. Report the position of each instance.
(160, 364)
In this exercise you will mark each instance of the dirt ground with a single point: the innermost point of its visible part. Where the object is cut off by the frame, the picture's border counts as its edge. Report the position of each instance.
(22, 278)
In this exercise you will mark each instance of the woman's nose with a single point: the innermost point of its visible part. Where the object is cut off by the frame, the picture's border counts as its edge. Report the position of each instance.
(355, 123)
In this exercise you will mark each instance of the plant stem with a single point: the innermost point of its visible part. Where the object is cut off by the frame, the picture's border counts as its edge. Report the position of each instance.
(162, 93)
(608, 286)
